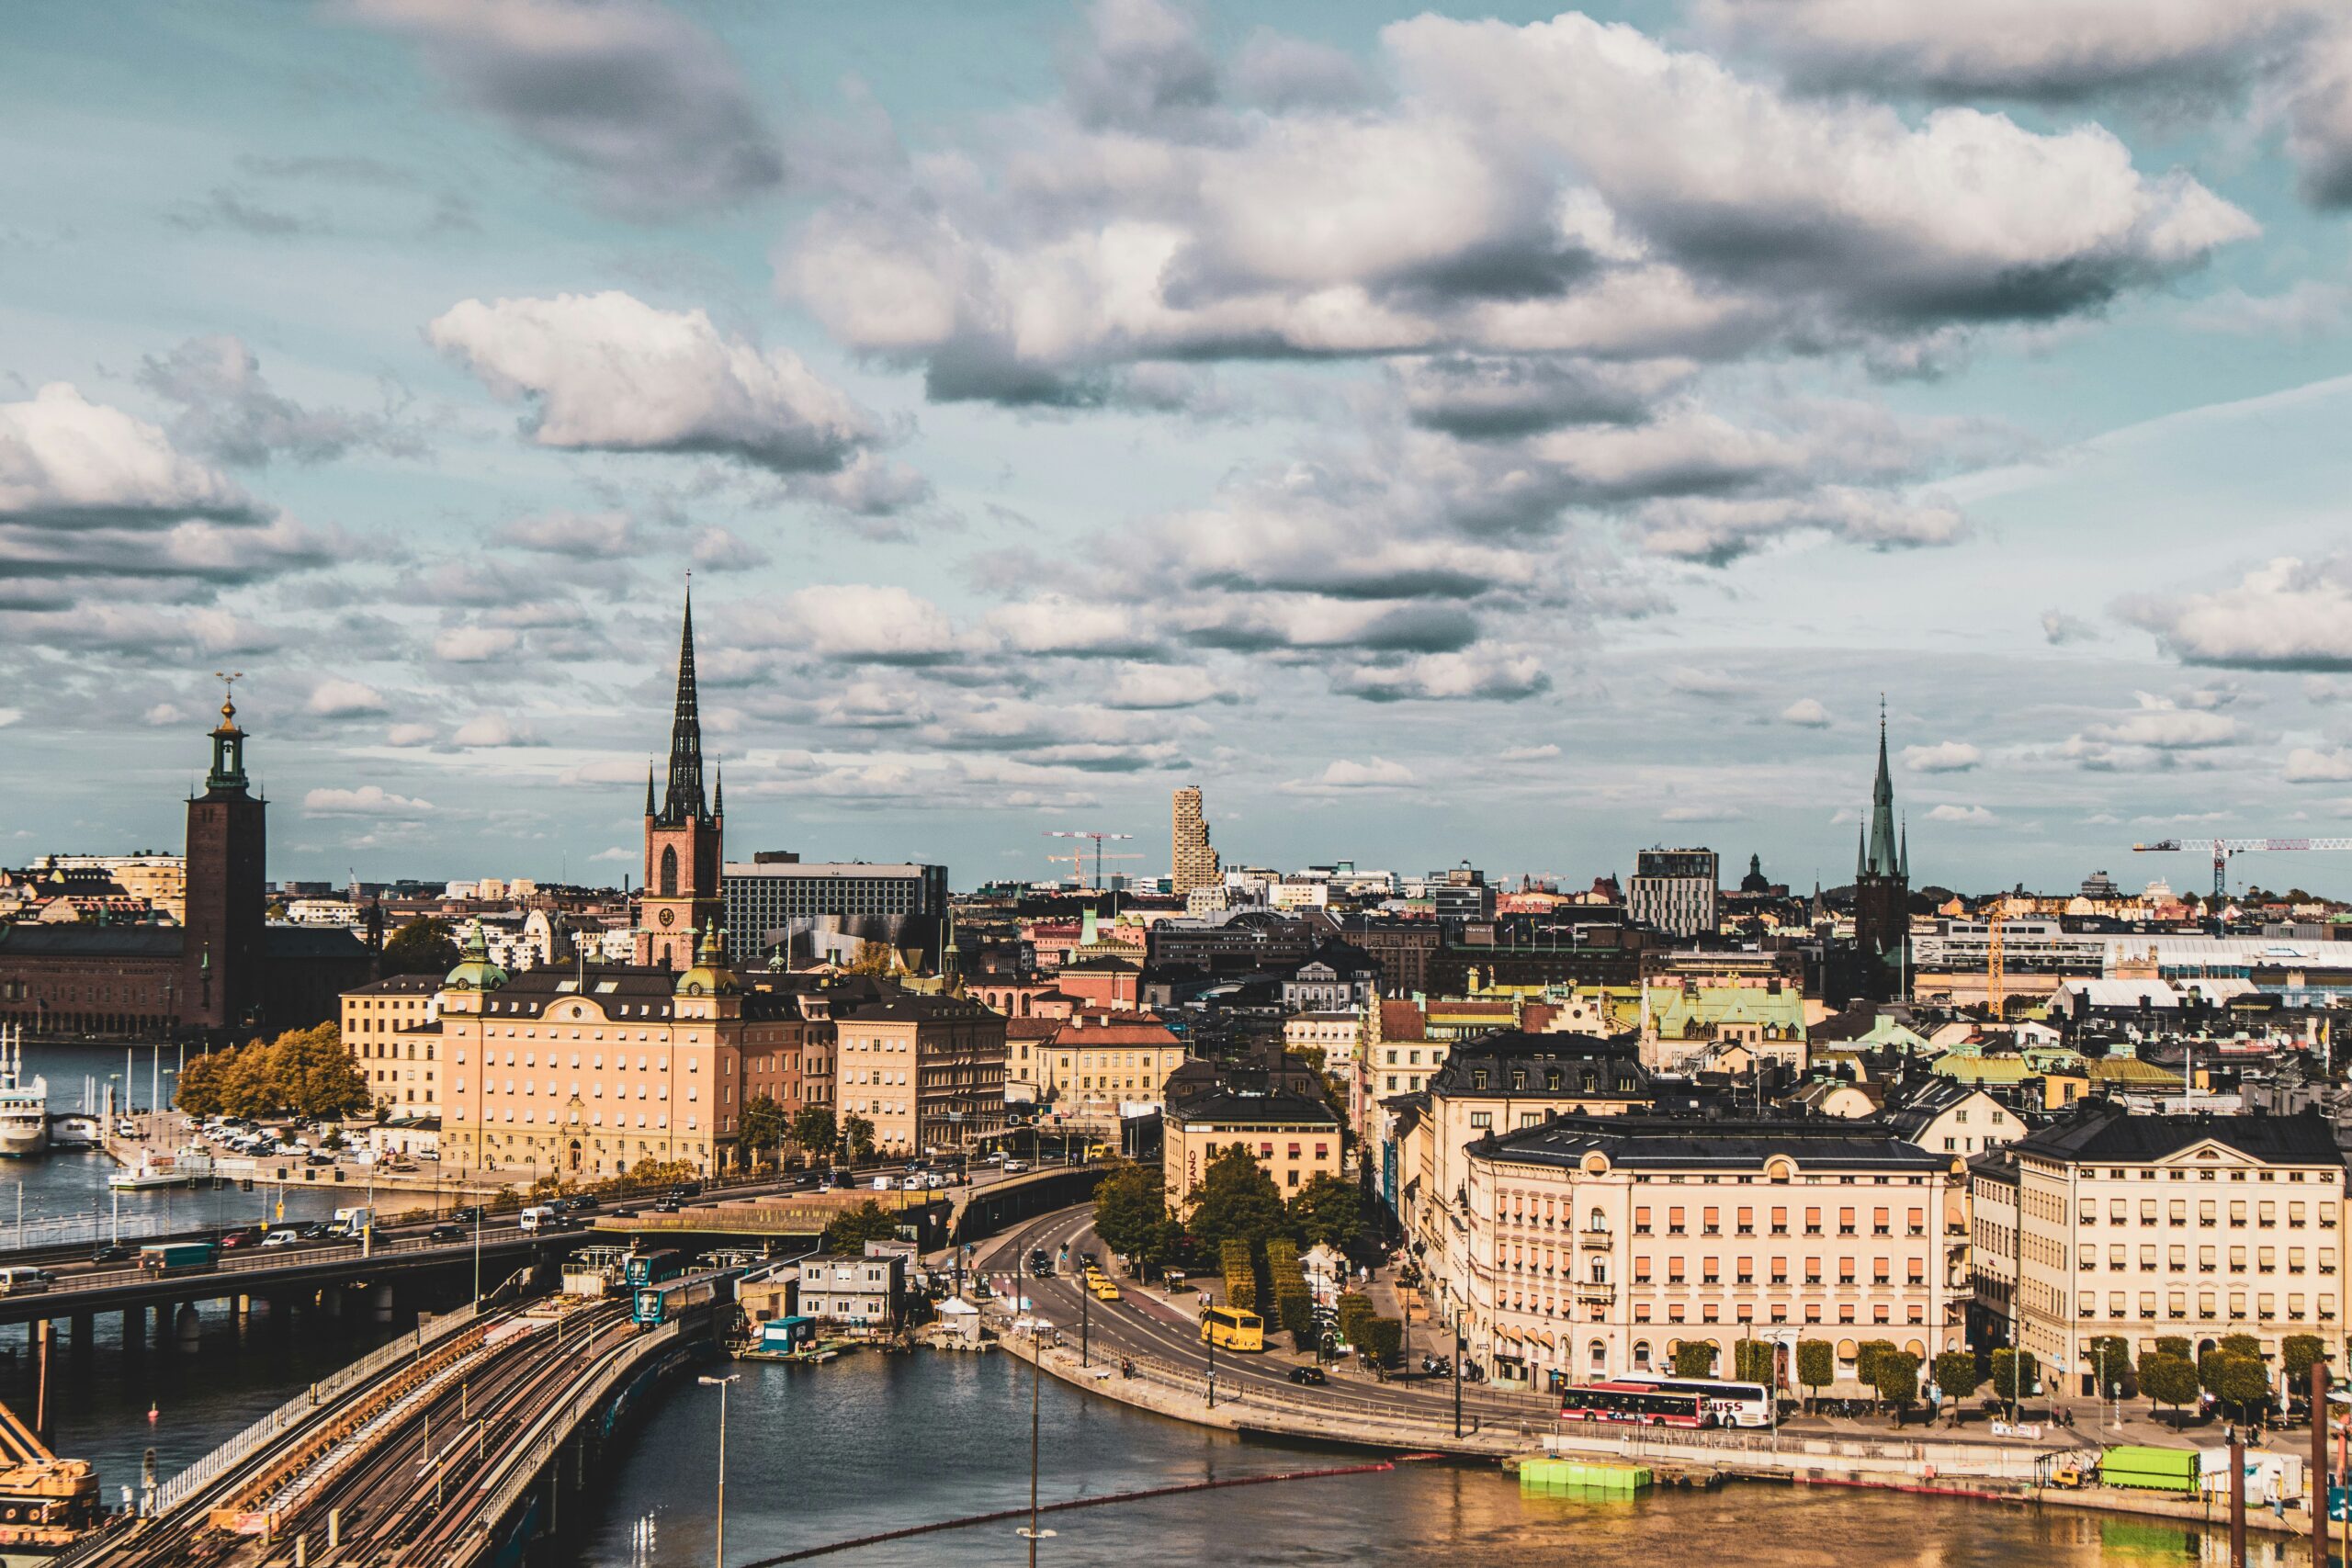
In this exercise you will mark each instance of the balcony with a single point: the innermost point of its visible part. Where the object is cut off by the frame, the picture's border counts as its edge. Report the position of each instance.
(1596, 1241)
(1596, 1295)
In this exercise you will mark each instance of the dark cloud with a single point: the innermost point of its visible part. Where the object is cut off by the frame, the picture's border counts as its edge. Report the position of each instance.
(225, 208)
(229, 411)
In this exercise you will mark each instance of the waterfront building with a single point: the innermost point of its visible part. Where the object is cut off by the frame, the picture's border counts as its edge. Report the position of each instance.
(1194, 865)
(1676, 891)
(2141, 1226)
(1294, 1138)
(1595, 1246)
(927, 1071)
(383, 1028)
(862, 1290)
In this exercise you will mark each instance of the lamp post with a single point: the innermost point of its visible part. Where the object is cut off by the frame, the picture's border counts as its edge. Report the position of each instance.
(719, 1551)
(1037, 1327)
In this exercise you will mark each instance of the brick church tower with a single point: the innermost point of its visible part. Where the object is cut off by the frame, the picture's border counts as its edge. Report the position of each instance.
(1882, 892)
(228, 905)
(683, 853)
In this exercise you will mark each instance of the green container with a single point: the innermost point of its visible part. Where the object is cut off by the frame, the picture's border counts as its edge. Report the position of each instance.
(2149, 1469)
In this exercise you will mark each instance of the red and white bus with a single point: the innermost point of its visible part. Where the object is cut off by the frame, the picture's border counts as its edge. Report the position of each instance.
(1635, 1403)
(1731, 1403)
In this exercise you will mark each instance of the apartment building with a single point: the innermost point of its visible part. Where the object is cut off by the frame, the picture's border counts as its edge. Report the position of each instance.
(383, 1030)
(2139, 1227)
(1293, 1139)
(1193, 862)
(928, 1072)
(1591, 1246)
(1676, 891)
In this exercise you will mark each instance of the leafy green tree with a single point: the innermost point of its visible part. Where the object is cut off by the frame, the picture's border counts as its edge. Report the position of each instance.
(1816, 1364)
(814, 1129)
(304, 1072)
(2242, 1345)
(425, 945)
(2240, 1382)
(1866, 1357)
(2015, 1372)
(1957, 1378)
(2167, 1379)
(2109, 1357)
(1354, 1314)
(869, 1221)
(2298, 1353)
(1328, 1210)
(1752, 1362)
(858, 1133)
(1131, 1215)
(1383, 1338)
(1694, 1358)
(2174, 1345)
(763, 1123)
(1895, 1375)
(1237, 1200)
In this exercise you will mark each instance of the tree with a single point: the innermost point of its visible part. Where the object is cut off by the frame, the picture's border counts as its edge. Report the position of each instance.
(2015, 1373)
(814, 1129)
(1957, 1378)
(2298, 1353)
(858, 1133)
(869, 1221)
(1354, 1314)
(1383, 1338)
(1694, 1358)
(1816, 1364)
(1237, 1200)
(1131, 1215)
(1895, 1375)
(1866, 1360)
(1328, 1210)
(1752, 1362)
(763, 1123)
(425, 946)
(2242, 1345)
(2174, 1345)
(304, 1072)
(2167, 1379)
(2110, 1362)
(2239, 1380)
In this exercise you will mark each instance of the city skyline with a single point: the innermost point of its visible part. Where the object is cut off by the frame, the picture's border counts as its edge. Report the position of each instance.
(1063, 406)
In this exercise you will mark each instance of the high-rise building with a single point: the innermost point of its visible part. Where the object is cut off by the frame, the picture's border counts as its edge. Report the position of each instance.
(1675, 891)
(683, 837)
(1882, 889)
(1193, 860)
(775, 897)
(222, 953)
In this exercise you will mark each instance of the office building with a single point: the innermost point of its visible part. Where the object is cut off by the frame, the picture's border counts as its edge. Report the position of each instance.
(1675, 891)
(776, 899)
(1194, 861)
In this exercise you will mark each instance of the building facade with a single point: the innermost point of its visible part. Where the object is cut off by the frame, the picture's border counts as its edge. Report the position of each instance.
(383, 1028)
(1192, 862)
(775, 897)
(1594, 1247)
(1096, 1067)
(928, 1072)
(1676, 891)
(1293, 1138)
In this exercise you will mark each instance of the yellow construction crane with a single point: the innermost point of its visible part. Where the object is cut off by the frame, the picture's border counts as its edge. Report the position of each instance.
(1078, 859)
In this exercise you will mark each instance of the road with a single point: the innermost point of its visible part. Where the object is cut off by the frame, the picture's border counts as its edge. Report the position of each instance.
(1143, 1325)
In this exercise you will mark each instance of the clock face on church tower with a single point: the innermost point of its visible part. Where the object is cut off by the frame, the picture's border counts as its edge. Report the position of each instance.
(666, 916)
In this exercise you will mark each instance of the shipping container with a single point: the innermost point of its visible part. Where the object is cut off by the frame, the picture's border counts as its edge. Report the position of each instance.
(178, 1257)
(2149, 1469)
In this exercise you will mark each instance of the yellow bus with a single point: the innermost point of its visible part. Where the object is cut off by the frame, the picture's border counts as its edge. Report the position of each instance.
(1230, 1328)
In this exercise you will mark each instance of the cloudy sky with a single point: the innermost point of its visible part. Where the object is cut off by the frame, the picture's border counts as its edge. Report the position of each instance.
(1517, 438)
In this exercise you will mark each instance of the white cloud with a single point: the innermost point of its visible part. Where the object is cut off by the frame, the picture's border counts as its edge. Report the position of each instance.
(1473, 674)
(2307, 765)
(163, 714)
(10, 716)
(2165, 726)
(1806, 712)
(1165, 686)
(494, 729)
(1963, 816)
(560, 532)
(1053, 623)
(2059, 628)
(338, 699)
(1530, 753)
(883, 624)
(616, 855)
(610, 372)
(1702, 813)
(1344, 775)
(2285, 614)
(1944, 757)
(406, 735)
(474, 644)
(369, 800)
(66, 462)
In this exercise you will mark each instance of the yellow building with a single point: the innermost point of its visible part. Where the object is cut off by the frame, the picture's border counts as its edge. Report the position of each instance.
(383, 1028)
(928, 1072)
(1093, 1064)
(1293, 1139)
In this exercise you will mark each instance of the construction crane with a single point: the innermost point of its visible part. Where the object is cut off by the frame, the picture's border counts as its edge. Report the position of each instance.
(1078, 860)
(2222, 849)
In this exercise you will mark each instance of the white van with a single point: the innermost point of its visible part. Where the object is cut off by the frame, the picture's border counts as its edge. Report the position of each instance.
(23, 1282)
(354, 1221)
(538, 1214)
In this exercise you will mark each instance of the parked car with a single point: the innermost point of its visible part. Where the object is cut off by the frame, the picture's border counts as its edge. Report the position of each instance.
(317, 1230)
(667, 1206)
(1015, 1166)
(624, 1213)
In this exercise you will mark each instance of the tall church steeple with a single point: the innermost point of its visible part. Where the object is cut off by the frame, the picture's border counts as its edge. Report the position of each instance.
(1885, 857)
(1882, 889)
(684, 799)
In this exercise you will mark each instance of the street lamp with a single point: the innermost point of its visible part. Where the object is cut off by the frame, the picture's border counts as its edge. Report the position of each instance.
(719, 1552)
(1037, 1327)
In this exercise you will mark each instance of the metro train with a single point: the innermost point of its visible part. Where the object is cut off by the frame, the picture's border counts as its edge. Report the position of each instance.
(657, 1304)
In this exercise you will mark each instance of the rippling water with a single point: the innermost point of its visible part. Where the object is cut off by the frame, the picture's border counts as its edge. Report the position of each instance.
(871, 1443)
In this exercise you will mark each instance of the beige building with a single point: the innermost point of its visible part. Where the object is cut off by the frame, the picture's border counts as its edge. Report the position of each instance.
(1293, 1139)
(383, 1028)
(1094, 1064)
(2141, 1226)
(1193, 862)
(1595, 1246)
(928, 1072)
(585, 1072)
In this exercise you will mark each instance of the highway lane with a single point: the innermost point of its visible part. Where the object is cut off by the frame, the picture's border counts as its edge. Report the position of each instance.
(1140, 1325)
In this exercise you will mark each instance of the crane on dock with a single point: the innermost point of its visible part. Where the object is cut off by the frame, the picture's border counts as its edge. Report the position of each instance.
(2222, 849)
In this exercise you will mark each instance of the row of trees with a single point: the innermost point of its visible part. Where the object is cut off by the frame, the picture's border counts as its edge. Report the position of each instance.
(813, 1130)
(1238, 1202)
(304, 1072)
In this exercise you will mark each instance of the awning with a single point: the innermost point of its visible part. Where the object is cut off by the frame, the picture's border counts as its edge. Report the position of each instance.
(1545, 1337)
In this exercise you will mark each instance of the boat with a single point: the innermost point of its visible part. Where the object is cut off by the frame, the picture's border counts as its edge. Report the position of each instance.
(189, 1165)
(24, 1107)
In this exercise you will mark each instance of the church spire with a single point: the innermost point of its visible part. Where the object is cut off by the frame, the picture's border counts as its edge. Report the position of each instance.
(1884, 858)
(649, 808)
(719, 792)
(683, 801)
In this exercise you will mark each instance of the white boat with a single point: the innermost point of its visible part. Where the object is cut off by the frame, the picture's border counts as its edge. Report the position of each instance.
(24, 1107)
(193, 1163)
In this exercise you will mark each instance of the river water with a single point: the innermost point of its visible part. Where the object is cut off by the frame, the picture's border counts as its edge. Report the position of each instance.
(868, 1443)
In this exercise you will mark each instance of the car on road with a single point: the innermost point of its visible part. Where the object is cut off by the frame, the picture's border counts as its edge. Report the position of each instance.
(686, 1190)
(238, 1238)
(282, 1238)
(1015, 1166)
(106, 1255)
(445, 1232)
(624, 1212)
(468, 1215)
(317, 1230)
(667, 1206)
(1309, 1377)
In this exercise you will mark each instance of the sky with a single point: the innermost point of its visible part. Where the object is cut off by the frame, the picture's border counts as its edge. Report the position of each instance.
(1517, 436)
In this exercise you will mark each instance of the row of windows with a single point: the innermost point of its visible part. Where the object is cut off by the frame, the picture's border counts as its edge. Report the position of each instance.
(2266, 1259)
(2177, 1306)
(1741, 1312)
(2176, 1212)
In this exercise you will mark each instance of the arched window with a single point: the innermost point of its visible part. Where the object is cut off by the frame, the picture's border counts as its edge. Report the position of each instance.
(1599, 1222)
(669, 872)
